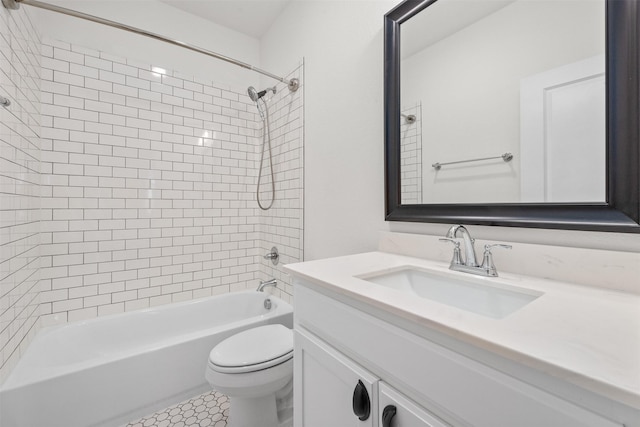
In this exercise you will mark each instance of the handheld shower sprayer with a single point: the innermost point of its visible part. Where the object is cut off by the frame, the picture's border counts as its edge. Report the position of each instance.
(266, 140)
(255, 95)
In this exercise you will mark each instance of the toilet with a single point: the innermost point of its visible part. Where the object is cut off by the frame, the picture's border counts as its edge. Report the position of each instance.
(254, 368)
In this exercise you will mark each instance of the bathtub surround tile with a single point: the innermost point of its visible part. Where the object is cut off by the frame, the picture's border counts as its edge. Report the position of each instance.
(134, 187)
(282, 225)
(149, 183)
(206, 410)
(411, 166)
(19, 185)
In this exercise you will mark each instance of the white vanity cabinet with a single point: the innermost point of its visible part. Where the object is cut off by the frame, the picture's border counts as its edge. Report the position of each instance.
(339, 343)
(332, 390)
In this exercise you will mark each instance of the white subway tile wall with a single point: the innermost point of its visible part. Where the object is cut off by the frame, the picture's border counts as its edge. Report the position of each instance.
(19, 185)
(281, 226)
(150, 185)
(411, 163)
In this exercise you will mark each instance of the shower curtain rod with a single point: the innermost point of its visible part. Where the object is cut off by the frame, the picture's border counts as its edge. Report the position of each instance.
(15, 4)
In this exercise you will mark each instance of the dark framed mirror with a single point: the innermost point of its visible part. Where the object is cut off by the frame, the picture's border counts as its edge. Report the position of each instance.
(615, 208)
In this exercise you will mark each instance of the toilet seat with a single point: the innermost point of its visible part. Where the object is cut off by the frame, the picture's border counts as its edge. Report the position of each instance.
(253, 350)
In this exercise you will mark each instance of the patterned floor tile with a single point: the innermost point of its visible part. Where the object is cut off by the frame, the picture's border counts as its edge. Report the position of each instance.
(207, 410)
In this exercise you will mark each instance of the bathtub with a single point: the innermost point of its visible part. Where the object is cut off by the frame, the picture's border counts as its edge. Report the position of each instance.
(114, 369)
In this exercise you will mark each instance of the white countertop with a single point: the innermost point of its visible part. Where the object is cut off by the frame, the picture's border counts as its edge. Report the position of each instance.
(587, 336)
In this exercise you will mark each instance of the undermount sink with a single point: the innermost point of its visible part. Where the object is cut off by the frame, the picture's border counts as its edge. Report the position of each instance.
(470, 294)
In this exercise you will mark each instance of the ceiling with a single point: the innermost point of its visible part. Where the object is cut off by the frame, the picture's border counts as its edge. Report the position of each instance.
(250, 17)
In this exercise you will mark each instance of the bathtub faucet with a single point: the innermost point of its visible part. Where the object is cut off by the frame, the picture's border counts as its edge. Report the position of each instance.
(262, 285)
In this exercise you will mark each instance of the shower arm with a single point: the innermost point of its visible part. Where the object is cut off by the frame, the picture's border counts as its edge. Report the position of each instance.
(292, 84)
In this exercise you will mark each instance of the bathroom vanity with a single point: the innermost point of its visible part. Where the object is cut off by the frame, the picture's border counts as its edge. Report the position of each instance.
(389, 340)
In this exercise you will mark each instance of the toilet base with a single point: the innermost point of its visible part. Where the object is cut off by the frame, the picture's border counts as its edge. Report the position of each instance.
(253, 411)
(284, 403)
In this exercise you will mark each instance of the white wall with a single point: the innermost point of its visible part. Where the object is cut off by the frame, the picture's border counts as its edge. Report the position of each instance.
(341, 42)
(344, 178)
(162, 19)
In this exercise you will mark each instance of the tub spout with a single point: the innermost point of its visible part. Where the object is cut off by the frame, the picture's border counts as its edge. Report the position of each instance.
(262, 285)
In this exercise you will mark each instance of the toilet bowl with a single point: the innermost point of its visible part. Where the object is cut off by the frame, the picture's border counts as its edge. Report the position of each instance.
(254, 368)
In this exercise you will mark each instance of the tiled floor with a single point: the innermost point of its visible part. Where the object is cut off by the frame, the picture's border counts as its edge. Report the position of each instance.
(207, 410)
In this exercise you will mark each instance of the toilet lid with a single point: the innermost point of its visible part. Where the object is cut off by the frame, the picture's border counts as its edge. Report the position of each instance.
(253, 349)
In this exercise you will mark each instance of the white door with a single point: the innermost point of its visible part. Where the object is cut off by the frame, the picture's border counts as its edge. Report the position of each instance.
(329, 389)
(563, 134)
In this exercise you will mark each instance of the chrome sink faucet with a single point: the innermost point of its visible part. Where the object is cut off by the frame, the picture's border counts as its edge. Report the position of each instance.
(469, 250)
(470, 264)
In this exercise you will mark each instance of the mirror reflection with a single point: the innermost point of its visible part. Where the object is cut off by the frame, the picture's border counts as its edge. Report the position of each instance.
(503, 101)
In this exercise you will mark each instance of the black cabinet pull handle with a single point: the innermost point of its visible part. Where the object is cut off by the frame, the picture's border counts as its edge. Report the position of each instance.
(361, 402)
(387, 415)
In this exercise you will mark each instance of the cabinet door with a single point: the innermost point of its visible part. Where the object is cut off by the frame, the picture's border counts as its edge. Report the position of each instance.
(329, 389)
(398, 411)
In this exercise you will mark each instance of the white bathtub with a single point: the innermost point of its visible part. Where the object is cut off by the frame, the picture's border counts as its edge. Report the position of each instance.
(111, 370)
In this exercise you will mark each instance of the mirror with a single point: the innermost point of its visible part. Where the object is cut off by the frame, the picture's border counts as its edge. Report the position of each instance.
(479, 95)
(513, 112)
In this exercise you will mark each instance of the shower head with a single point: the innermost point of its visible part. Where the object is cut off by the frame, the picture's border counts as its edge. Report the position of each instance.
(255, 95)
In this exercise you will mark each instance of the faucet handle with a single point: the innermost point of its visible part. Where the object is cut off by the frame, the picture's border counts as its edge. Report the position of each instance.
(457, 259)
(487, 261)
(455, 242)
(498, 245)
(274, 256)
